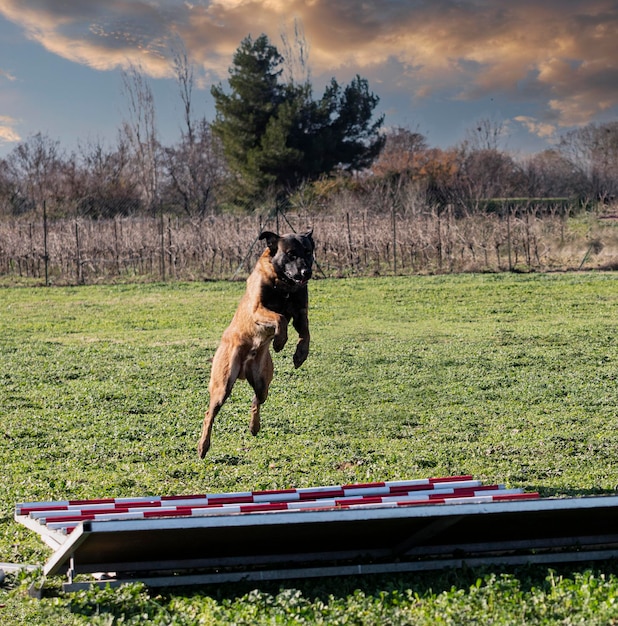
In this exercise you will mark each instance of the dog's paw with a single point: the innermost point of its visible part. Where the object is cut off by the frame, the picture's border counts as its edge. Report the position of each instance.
(279, 341)
(202, 448)
(301, 354)
(254, 426)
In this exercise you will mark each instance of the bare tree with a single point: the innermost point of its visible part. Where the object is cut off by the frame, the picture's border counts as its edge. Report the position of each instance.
(486, 170)
(184, 74)
(37, 170)
(196, 171)
(140, 131)
(195, 165)
(403, 153)
(487, 174)
(549, 174)
(295, 52)
(593, 149)
(486, 134)
(107, 189)
(7, 189)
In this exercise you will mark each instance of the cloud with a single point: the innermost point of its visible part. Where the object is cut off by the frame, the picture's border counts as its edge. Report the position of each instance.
(559, 54)
(103, 35)
(7, 75)
(540, 129)
(8, 134)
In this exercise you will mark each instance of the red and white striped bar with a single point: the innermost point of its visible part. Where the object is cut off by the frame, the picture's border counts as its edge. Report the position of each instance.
(464, 488)
(154, 510)
(68, 526)
(63, 516)
(275, 495)
(499, 495)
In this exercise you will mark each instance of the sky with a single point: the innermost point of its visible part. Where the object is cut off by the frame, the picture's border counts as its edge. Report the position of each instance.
(536, 69)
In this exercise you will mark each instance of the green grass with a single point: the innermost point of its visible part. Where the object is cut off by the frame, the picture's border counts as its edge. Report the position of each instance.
(511, 378)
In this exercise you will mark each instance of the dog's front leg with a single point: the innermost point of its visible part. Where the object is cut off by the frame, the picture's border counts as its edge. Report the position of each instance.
(301, 324)
(276, 325)
(281, 334)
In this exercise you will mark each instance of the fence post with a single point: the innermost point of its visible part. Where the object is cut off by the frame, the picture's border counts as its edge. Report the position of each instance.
(394, 219)
(349, 232)
(162, 232)
(78, 257)
(45, 255)
(170, 253)
(32, 255)
(508, 236)
(439, 243)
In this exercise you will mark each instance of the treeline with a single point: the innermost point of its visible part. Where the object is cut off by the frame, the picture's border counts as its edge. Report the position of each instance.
(192, 180)
(273, 142)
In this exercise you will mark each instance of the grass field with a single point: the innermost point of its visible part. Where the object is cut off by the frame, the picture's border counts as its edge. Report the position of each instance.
(511, 378)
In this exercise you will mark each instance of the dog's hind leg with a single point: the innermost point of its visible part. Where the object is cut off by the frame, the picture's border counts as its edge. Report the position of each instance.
(259, 374)
(225, 370)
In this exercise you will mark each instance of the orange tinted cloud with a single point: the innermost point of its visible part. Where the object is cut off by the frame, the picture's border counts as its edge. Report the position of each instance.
(561, 54)
(8, 134)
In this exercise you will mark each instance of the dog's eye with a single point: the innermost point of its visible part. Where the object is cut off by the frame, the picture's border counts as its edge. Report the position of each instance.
(291, 255)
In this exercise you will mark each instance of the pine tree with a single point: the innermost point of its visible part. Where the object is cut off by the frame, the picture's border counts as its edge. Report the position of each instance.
(243, 116)
(275, 135)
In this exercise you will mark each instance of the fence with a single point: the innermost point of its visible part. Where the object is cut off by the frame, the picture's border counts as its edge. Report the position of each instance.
(83, 251)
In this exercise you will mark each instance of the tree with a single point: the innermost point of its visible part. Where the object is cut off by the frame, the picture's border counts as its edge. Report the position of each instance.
(38, 172)
(107, 189)
(183, 72)
(243, 116)
(296, 69)
(402, 153)
(441, 172)
(549, 174)
(486, 174)
(275, 135)
(593, 149)
(345, 136)
(195, 171)
(486, 134)
(141, 133)
(194, 166)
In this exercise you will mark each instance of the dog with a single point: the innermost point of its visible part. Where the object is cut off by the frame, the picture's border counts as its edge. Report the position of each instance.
(276, 294)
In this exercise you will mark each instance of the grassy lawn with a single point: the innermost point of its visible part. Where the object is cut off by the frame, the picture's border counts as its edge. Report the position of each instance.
(510, 378)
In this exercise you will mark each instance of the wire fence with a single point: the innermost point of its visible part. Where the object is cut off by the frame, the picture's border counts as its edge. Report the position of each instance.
(125, 249)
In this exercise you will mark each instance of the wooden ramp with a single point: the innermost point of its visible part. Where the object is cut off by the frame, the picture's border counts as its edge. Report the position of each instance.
(398, 526)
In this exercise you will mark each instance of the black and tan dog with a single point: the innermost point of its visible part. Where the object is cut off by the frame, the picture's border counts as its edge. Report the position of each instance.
(276, 294)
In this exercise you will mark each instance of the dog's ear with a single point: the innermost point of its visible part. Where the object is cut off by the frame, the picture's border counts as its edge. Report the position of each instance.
(272, 240)
(309, 235)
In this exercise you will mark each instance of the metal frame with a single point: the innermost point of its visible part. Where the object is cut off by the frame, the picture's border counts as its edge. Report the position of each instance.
(342, 570)
(285, 545)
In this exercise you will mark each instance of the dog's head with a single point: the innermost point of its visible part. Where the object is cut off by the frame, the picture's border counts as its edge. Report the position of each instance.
(292, 256)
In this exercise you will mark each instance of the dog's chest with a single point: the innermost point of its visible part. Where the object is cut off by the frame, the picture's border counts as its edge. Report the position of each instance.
(280, 301)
